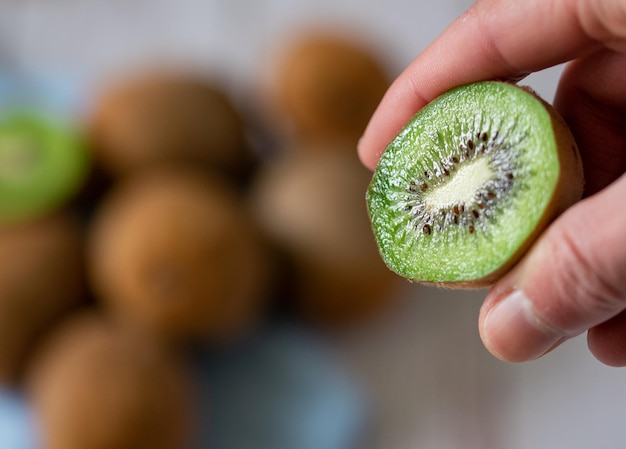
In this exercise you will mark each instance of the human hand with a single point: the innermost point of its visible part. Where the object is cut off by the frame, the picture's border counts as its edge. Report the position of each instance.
(573, 279)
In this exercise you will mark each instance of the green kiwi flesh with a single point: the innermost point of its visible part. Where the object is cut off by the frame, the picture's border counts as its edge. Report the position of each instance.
(465, 187)
(42, 164)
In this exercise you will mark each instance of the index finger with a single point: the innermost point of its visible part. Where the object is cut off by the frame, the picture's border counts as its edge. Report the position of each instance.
(494, 39)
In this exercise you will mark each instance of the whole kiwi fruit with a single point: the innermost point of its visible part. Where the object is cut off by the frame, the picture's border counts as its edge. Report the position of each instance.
(470, 182)
(311, 204)
(96, 385)
(175, 252)
(327, 86)
(165, 117)
(41, 279)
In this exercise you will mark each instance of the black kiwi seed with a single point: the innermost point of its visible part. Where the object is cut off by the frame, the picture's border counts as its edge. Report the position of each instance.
(470, 144)
(426, 229)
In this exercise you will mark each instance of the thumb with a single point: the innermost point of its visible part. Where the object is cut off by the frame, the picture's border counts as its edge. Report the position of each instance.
(573, 279)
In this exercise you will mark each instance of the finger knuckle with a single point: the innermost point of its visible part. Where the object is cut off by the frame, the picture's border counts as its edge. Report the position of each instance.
(582, 276)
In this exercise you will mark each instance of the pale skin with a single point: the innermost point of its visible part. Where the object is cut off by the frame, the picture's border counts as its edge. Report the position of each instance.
(573, 280)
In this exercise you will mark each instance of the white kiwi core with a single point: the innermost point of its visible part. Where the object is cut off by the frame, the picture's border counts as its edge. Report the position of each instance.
(462, 185)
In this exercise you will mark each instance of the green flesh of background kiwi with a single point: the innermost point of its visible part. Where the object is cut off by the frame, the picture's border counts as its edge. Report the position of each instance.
(42, 164)
(465, 185)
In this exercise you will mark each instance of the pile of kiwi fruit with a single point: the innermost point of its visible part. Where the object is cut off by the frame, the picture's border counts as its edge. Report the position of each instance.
(43, 164)
(310, 198)
(157, 224)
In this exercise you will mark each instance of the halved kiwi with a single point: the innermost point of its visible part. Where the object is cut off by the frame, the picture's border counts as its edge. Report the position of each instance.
(42, 164)
(470, 182)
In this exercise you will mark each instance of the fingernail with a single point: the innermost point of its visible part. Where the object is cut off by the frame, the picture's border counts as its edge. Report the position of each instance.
(514, 332)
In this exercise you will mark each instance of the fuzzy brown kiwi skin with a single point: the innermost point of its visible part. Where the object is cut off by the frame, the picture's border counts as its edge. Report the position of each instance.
(169, 117)
(94, 384)
(308, 204)
(568, 190)
(328, 86)
(200, 275)
(41, 279)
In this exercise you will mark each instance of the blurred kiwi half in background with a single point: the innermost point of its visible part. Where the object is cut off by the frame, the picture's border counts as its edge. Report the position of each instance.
(43, 164)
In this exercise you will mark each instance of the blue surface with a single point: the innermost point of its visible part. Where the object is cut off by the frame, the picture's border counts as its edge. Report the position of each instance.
(54, 96)
(17, 430)
(282, 389)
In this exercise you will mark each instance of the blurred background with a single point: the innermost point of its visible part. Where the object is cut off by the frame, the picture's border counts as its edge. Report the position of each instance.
(180, 194)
